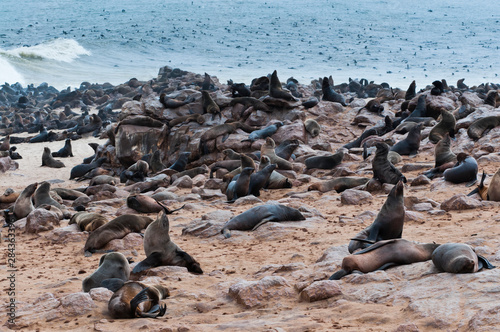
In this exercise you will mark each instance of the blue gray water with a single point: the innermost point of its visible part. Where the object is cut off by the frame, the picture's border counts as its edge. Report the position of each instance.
(67, 42)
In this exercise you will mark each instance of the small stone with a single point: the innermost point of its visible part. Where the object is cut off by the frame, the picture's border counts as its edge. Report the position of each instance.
(355, 197)
(420, 180)
(460, 202)
(320, 290)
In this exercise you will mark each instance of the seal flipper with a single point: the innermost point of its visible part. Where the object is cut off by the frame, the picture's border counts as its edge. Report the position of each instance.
(191, 264)
(156, 311)
(374, 246)
(484, 263)
(225, 137)
(386, 266)
(152, 260)
(113, 284)
(262, 222)
(338, 275)
(142, 296)
(226, 232)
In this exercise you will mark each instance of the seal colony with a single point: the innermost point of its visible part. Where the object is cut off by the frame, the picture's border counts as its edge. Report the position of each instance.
(279, 165)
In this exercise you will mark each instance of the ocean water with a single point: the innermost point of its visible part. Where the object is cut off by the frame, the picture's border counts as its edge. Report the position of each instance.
(66, 42)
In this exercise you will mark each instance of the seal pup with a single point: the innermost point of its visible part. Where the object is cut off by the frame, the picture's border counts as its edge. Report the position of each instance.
(338, 184)
(410, 145)
(480, 127)
(94, 125)
(159, 248)
(445, 126)
(275, 89)
(385, 254)
(180, 164)
(258, 215)
(187, 118)
(286, 148)
(5, 146)
(137, 300)
(115, 229)
(267, 149)
(465, 170)
(312, 127)
(325, 162)
(49, 161)
(169, 102)
(209, 105)
(383, 169)
(276, 179)
(264, 132)
(137, 172)
(88, 221)
(65, 151)
(331, 95)
(238, 187)
(387, 225)
(43, 136)
(491, 192)
(24, 205)
(459, 258)
(111, 265)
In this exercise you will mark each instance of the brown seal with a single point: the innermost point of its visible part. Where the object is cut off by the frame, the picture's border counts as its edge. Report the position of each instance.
(230, 165)
(187, 118)
(223, 130)
(312, 127)
(331, 95)
(325, 162)
(480, 127)
(42, 196)
(247, 102)
(143, 204)
(115, 229)
(411, 144)
(9, 196)
(137, 300)
(387, 225)
(245, 161)
(276, 179)
(384, 254)
(82, 169)
(111, 265)
(209, 105)
(49, 161)
(267, 149)
(383, 169)
(170, 102)
(238, 187)
(180, 164)
(338, 184)
(88, 221)
(65, 151)
(23, 205)
(275, 89)
(443, 158)
(445, 126)
(491, 192)
(5, 146)
(459, 258)
(259, 180)
(102, 179)
(465, 170)
(94, 125)
(160, 250)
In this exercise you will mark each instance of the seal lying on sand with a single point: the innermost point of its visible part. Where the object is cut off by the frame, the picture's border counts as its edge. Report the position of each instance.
(253, 218)
(465, 170)
(459, 258)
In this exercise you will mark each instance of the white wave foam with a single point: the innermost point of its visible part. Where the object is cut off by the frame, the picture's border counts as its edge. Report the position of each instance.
(8, 74)
(65, 50)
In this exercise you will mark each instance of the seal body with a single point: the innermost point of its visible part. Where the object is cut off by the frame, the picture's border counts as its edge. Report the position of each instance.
(49, 161)
(258, 215)
(445, 126)
(411, 144)
(479, 127)
(267, 149)
(111, 265)
(339, 184)
(42, 196)
(383, 169)
(325, 162)
(264, 132)
(65, 151)
(387, 225)
(239, 186)
(181, 162)
(23, 205)
(275, 89)
(458, 258)
(465, 170)
(312, 127)
(258, 180)
(331, 95)
(87, 221)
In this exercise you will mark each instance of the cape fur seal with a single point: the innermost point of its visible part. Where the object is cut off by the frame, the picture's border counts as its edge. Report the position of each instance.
(42, 196)
(169, 102)
(443, 158)
(260, 179)
(111, 265)
(312, 127)
(276, 180)
(253, 218)
(9, 196)
(383, 170)
(459, 258)
(275, 89)
(65, 151)
(155, 163)
(286, 148)
(331, 95)
(223, 130)
(82, 169)
(115, 229)
(338, 184)
(88, 221)
(465, 170)
(209, 105)
(143, 204)
(491, 192)
(159, 248)
(137, 300)
(411, 144)
(49, 161)
(445, 126)
(264, 132)
(480, 127)
(23, 205)
(384, 254)
(187, 118)
(238, 187)
(387, 225)
(180, 164)
(267, 149)
(325, 162)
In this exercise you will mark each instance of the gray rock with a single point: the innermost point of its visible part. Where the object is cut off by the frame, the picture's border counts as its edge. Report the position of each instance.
(100, 294)
(355, 197)
(77, 304)
(320, 290)
(253, 294)
(460, 202)
(420, 180)
(129, 242)
(66, 234)
(183, 182)
(41, 220)
(422, 207)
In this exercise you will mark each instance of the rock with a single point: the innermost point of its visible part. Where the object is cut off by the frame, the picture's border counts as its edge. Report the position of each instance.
(420, 180)
(416, 167)
(129, 242)
(250, 199)
(355, 197)
(203, 229)
(407, 328)
(295, 130)
(199, 180)
(133, 141)
(66, 234)
(211, 194)
(253, 294)
(320, 290)
(100, 294)
(41, 220)
(77, 304)
(7, 164)
(218, 215)
(422, 207)
(334, 254)
(460, 202)
(213, 184)
(183, 182)
(485, 320)
(414, 216)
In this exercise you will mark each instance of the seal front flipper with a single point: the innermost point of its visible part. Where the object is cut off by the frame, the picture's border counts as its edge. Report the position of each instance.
(375, 246)
(262, 222)
(226, 232)
(153, 260)
(386, 266)
(113, 284)
(154, 312)
(142, 296)
(191, 264)
(338, 275)
(484, 263)
(225, 137)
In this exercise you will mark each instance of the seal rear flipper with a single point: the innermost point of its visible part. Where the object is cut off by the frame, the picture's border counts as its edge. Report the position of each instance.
(152, 260)
(374, 246)
(260, 223)
(142, 296)
(386, 266)
(225, 137)
(156, 311)
(226, 232)
(484, 263)
(338, 275)
(113, 284)
(475, 191)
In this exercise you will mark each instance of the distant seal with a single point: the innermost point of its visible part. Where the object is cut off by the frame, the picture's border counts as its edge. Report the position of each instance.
(247, 102)
(23, 205)
(9, 196)
(384, 254)
(312, 127)
(491, 98)
(111, 265)
(94, 125)
(209, 105)
(42, 196)
(49, 161)
(331, 95)
(65, 151)
(387, 225)
(155, 162)
(5, 146)
(137, 300)
(82, 169)
(374, 106)
(223, 130)
(286, 148)
(160, 250)
(311, 102)
(276, 179)
(383, 169)
(137, 172)
(230, 165)
(491, 192)
(411, 144)
(465, 170)
(338, 184)
(275, 89)
(143, 204)
(420, 109)
(443, 157)
(253, 218)
(102, 179)
(88, 221)
(458, 258)
(264, 132)
(238, 187)
(43, 136)
(445, 126)
(410, 92)
(259, 180)
(267, 149)
(325, 162)
(187, 118)
(115, 229)
(480, 127)
(169, 102)
(180, 164)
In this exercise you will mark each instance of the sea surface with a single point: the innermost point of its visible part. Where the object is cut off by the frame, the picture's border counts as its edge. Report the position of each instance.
(66, 42)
